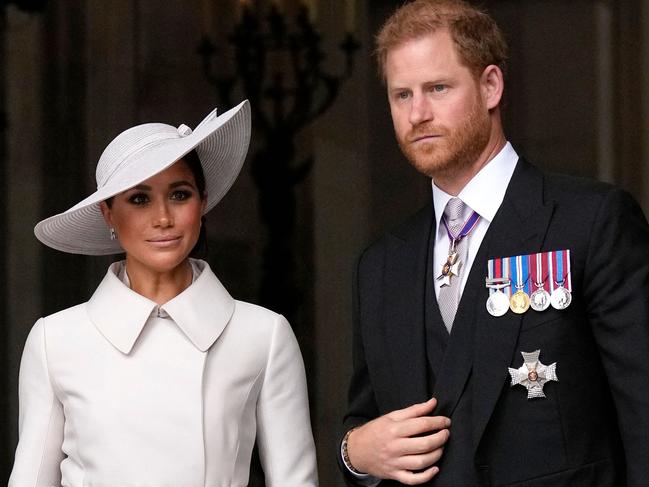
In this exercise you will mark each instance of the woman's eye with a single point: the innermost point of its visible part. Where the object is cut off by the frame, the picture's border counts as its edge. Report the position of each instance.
(138, 199)
(181, 195)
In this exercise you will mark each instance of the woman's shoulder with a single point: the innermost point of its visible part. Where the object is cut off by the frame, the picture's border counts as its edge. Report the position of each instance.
(68, 316)
(257, 316)
(266, 333)
(58, 328)
(264, 325)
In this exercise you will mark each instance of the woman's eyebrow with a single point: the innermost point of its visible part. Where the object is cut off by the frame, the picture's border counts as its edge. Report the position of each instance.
(182, 182)
(142, 187)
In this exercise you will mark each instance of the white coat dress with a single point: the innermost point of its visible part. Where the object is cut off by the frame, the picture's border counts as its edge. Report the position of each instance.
(122, 392)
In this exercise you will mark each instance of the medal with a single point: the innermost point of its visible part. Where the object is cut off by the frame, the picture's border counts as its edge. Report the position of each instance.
(560, 297)
(540, 298)
(453, 263)
(519, 302)
(450, 268)
(498, 302)
(533, 374)
(540, 280)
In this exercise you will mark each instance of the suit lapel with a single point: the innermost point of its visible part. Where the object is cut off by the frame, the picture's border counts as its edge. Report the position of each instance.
(403, 320)
(458, 359)
(519, 228)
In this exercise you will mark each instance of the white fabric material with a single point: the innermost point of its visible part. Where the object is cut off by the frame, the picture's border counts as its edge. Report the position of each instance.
(113, 395)
(482, 194)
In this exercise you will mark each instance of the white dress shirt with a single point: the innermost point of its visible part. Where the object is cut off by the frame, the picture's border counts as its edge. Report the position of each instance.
(483, 194)
(119, 391)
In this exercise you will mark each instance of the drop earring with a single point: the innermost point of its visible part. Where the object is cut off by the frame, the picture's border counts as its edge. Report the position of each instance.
(113, 234)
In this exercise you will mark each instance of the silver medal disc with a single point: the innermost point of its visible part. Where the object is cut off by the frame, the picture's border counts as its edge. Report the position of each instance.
(497, 304)
(560, 298)
(540, 300)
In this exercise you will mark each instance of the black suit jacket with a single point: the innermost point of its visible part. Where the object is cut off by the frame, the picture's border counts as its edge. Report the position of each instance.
(593, 427)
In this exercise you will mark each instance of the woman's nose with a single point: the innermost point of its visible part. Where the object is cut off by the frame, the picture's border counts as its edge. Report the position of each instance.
(163, 217)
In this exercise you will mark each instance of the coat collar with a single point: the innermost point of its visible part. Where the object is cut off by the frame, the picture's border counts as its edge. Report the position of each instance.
(201, 311)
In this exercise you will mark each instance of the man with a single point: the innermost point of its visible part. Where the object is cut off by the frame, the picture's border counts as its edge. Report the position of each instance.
(501, 334)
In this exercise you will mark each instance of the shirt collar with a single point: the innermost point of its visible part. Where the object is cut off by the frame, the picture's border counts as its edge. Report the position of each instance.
(201, 311)
(491, 180)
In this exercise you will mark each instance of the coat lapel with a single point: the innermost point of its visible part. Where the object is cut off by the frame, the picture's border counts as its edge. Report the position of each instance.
(403, 321)
(519, 228)
(458, 359)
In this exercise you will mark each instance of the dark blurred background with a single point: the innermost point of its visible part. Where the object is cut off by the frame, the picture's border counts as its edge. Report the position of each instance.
(324, 176)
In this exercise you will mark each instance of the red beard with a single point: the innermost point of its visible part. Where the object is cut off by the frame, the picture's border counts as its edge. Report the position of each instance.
(452, 150)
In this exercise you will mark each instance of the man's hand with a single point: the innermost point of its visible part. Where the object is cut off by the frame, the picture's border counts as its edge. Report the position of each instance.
(402, 445)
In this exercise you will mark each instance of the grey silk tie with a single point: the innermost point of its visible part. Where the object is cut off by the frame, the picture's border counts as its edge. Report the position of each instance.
(449, 296)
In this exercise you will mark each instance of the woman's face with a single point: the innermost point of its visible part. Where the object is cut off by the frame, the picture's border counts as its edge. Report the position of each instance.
(158, 221)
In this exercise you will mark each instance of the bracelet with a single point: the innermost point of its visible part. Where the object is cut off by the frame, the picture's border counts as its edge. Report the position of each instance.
(343, 448)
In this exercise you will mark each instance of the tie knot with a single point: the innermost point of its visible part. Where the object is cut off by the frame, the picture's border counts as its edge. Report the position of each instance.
(453, 212)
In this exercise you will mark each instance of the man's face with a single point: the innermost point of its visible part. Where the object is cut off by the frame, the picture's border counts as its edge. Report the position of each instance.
(440, 118)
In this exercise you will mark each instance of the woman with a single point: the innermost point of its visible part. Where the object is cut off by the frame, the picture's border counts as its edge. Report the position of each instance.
(161, 378)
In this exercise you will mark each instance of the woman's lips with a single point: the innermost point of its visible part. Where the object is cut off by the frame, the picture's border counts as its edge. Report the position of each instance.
(164, 241)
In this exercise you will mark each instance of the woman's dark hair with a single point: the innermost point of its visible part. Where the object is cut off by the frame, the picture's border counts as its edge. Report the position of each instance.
(194, 164)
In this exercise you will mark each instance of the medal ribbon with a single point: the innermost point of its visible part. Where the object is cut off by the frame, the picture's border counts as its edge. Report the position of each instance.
(519, 269)
(551, 271)
(524, 263)
(490, 273)
(568, 283)
(499, 268)
(549, 268)
(466, 228)
(560, 261)
(539, 273)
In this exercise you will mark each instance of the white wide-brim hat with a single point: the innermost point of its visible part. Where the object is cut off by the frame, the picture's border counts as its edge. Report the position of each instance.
(141, 152)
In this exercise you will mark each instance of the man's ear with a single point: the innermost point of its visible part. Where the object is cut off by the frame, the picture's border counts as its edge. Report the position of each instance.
(492, 85)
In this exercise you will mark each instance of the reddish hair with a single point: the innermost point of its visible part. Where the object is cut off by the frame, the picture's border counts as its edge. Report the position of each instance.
(477, 38)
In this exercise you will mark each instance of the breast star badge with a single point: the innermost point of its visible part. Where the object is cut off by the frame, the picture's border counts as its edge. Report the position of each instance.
(450, 268)
(533, 374)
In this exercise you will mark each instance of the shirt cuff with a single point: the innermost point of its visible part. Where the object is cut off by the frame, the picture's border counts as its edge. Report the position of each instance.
(364, 479)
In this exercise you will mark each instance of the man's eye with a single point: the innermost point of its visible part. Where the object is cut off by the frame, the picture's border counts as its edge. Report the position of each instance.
(138, 199)
(403, 95)
(439, 88)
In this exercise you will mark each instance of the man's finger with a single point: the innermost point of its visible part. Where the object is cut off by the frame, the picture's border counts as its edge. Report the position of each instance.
(408, 477)
(423, 425)
(424, 444)
(418, 463)
(414, 411)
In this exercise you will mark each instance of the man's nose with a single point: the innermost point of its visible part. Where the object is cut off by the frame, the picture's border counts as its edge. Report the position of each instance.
(420, 110)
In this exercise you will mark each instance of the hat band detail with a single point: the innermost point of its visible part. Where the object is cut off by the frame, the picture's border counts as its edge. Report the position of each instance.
(134, 153)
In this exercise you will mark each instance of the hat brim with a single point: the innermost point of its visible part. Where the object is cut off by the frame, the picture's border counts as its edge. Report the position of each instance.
(221, 143)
